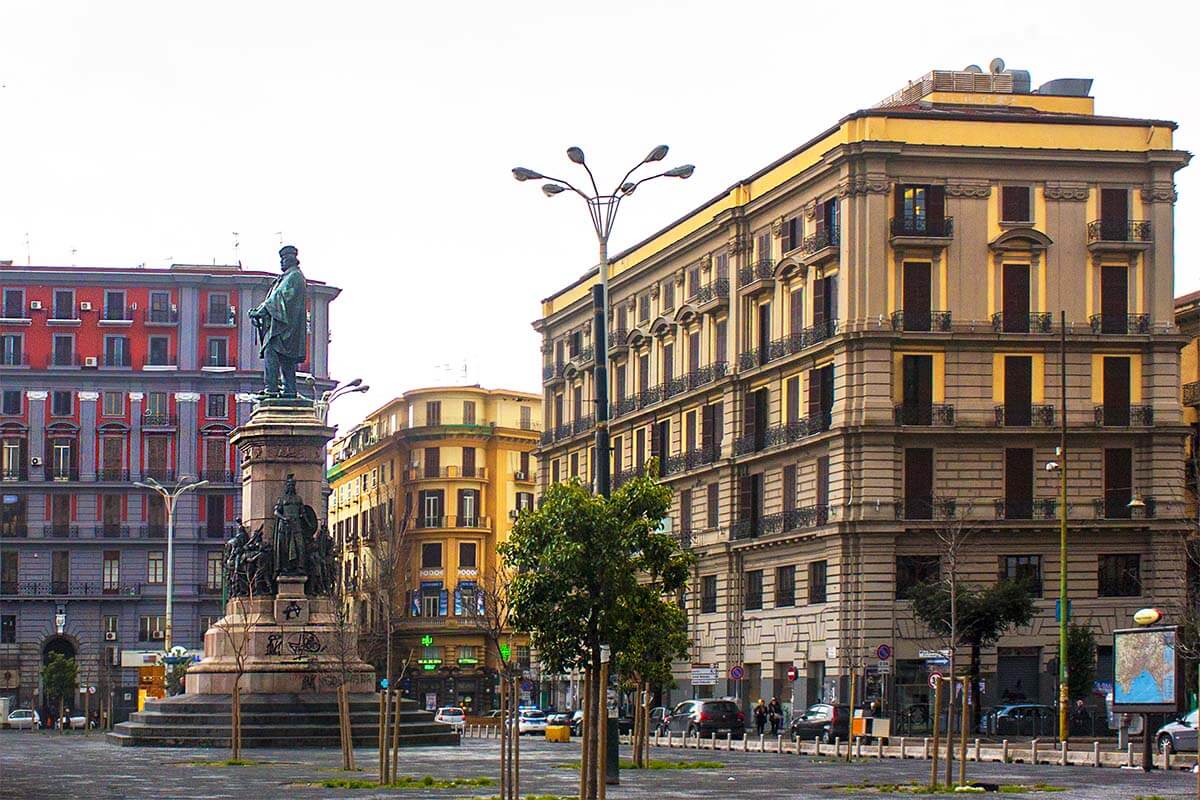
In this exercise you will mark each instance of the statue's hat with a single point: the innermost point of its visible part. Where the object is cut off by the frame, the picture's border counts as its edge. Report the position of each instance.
(288, 250)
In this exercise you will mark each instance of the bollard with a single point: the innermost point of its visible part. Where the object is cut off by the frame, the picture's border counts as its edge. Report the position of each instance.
(816, 745)
(1033, 751)
(779, 744)
(1063, 760)
(1004, 751)
(837, 747)
(926, 754)
(976, 751)
(903, 742)
(760, 743)
(857, 747)
(1166, 758)
(879, 741)
(1095, 754)
(1130, 756)
(728, 740)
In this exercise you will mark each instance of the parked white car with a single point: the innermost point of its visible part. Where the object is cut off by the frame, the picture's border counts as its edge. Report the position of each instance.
(455, 717)
(24, 718)
(77, 721)
(531, 721)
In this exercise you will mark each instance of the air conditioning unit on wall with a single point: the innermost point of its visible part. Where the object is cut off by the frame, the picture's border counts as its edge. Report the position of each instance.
(36, 461)
(84, 305)
(35, 305)
(110, 636)
(156, 635)
(90, 361)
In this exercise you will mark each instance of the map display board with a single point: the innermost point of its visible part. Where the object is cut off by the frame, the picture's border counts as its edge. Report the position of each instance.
(1145, 663)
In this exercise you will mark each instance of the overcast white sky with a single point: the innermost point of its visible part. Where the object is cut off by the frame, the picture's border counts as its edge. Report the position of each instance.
(378, 137)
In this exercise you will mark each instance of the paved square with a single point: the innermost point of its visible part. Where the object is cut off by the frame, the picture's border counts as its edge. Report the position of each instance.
(51, 765)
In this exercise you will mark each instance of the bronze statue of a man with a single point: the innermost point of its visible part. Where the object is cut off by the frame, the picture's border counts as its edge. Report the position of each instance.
(282, 325)
(295, 523)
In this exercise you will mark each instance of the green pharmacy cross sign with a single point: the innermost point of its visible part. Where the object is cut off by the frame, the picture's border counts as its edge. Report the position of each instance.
(505, 652)
(427, 641)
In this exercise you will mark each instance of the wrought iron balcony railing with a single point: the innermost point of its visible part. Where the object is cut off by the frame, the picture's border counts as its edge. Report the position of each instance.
(118, 360)
(1191, 393)
(1119, 230)
(160, 361)
(1140, 416)
(152, 419)
(699, 456)
(160, 474)
(222, 317)
(11, 472)
(55, 531)
(583, 424)
(113, 530)
(112, 474)
(1038, 508)
(13, 359)
(761, 270)
(116, 314)
(1120, 324)
(619, 337)
(706, 375)
(67, 589)
(1021, 322)
(14, 530)
(939, 414)
(826, 237)
(220, 532)
(1036, 415)
(714, 291)
(793, 519)
(552, 371)
(58, 472)
(432, 521)
(217, 475)
(1116, 506)
(772, 436)
(583, 355)
(923, 226)
(903, 320)
(208, 588)
(160, 316)
(925, 508)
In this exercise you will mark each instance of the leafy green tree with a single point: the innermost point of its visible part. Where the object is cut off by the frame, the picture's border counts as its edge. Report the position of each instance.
(587, 570)
(1081, 661)
(984, 614)
(60, 678)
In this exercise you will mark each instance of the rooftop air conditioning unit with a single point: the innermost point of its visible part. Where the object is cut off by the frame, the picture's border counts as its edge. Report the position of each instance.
(36, 305)
(110, 636)
(36, 461)
(89, 361)
(84, 305)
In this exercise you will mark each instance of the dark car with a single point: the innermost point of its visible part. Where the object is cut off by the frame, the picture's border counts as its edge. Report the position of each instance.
(707, 718)
(1020, 719)
(658, 718)
(825, 720)
(1178, 735)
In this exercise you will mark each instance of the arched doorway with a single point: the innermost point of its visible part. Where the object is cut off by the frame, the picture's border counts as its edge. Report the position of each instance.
(66, 648)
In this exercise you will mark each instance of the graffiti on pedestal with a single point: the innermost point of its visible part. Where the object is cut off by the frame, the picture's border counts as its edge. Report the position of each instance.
(300, 643)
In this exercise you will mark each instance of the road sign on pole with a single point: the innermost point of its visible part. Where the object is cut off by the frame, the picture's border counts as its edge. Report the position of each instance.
(883, 652)
(934, 679)
(736, 672)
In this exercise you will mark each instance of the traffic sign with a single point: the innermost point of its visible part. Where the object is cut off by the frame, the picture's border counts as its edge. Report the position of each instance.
(884, 668)
(793, 673)
(704, 675)
(383, 683)
(91, 690)
(934, 678)
(883, 652)
(736, 672)
(527, 686)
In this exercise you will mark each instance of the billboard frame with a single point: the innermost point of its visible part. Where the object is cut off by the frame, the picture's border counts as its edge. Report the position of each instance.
(1148, 708)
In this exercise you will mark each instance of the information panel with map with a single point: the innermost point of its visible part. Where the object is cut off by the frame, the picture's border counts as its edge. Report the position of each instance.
(1145, 665)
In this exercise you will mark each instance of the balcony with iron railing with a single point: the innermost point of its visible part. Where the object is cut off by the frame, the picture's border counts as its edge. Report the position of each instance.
(1043, 508)
(553, 372)
(215, 361)
(118, 474)
(160, 316)
(208, 589)
(1120, 324)
(788, 345)
(114, 530)
(14, 472)
(618, 338)
(60, 531)
(926, 508)
(429, 522)
(816, 242)
(14, 360)
(583, 424)
(766, 437)
(780, 522)
(1118, 233)
(220, 532)
(425, 472)
(74, 589)
(582, 356)
(160, 474)
(220, 317)
(712, 295)
(1191, 393)
(217, 475)
(934, 414)
(757, 276)
(118, 360)
(152, 531)
(922, 227)
(706, 375)
(160, 361)
(1034, 415)
(14, 530)
(1121, 416)
(63, 314)
(154, 419)
(62, 359)
(60, 472)
(1120, 505)
(1021, 322)
(116, 316)
(927, 321)
(15, 312)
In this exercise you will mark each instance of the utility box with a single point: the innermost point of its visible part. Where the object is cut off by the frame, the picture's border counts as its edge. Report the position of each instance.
(558, 733)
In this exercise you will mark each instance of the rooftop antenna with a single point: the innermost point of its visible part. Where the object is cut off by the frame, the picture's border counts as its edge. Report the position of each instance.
(74, 251)
(28, 256)
(280, 235)
(236, 244)
(464, 370)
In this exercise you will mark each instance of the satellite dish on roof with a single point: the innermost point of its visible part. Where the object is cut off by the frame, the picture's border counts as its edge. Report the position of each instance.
(996, 66)
(973, 68)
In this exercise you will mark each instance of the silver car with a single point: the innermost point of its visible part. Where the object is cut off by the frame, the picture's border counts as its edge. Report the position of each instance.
(1178, 735)
(24, 718)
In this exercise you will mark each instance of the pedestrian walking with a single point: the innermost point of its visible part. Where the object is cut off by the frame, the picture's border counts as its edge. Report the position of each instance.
(775, 715)
(760, 716)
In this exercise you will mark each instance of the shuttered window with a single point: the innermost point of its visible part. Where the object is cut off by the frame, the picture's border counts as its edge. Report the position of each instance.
(1015, 205)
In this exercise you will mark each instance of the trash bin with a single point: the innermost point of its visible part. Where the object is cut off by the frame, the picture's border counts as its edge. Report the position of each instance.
(558, 733)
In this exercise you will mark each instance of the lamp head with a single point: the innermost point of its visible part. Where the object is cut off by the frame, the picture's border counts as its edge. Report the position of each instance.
(657, 154)
(628, 187)
(575, 154)
(551, 189)
(681, 172)
(1136, 502)
(355, 382)
(524, 174)
(1051, 466)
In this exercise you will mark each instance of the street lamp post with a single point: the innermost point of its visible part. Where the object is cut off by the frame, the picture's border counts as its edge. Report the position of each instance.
(170, 496)
(602, 208)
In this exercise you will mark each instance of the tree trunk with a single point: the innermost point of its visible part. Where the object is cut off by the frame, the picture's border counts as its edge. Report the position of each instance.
(975, 668)
(950, 684)
(602, 733)
(381, 738)
(646, 726)
(235, 723)
(516, 779)
(504, 725)
(585, 732)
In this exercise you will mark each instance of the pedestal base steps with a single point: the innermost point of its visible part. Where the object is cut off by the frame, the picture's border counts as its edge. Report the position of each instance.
(273, 720)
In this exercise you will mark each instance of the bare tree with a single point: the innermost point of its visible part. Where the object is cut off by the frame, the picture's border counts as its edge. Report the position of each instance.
(242, 614)
(491, 616)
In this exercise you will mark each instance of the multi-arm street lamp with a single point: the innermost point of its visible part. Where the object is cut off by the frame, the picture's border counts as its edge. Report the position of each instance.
(603, 211)
(170, 496)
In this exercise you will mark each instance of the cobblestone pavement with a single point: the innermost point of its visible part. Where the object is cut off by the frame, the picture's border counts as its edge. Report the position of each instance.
(51, 765)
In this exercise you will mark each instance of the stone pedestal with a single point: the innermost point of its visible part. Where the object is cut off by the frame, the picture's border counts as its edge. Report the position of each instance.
(289, 642)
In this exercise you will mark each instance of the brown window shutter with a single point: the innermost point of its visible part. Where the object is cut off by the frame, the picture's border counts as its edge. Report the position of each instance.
(714, 505)
(750, 409)
(793, 398)
(707, 428)
(655, 445)
(745, 497)
(898, 200)
(796, 310)
(789, 487)
(935, 198)
(823, 481)
(814, 394)
(718, 423)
